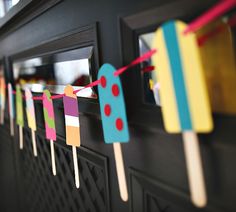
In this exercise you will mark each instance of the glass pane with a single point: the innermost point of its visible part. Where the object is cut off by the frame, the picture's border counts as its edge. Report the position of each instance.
(150, 85)
(6, 5)
(55, 71)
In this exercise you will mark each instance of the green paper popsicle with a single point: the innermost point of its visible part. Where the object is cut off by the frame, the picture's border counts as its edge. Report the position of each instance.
(19, 113)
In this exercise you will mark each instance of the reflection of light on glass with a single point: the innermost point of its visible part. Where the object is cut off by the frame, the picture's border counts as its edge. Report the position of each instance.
(37, 88)
(67, 72)
(14, 2)
(156, 89)
(6, 5)
(2, 12)
(150, 95)
(26, 67)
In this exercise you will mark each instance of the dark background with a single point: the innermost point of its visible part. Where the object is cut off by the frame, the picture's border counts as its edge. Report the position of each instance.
(154, 160)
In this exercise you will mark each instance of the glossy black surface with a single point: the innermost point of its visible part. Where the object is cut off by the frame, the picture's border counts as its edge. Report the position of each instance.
(154, 160)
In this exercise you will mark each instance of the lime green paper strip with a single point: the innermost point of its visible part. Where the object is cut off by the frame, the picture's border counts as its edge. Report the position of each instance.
(19, 107)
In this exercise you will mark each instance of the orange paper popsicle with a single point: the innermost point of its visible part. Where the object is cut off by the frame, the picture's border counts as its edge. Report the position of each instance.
(72, 126)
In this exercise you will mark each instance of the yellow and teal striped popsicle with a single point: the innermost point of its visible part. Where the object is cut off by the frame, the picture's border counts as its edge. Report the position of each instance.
(182, 86)
(184, 99)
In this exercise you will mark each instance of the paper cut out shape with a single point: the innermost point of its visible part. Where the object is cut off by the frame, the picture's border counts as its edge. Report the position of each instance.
(49, 117)
(11, 108)
(184, 99)
(181, 76)
(112, 106)
(49, 120)
(3, 97)
(72, 126)
(19, 113)
(114, 121)
(30, 113)
(71, 117)
(218, 59)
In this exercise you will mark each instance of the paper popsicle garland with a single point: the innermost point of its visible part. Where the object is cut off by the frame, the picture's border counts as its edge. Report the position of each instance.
(30, 112)
(3, 97)
(19, 114)
(72, 126)
(11, 108)
(114, 121)
(220, 73)
(184, 97)
(49, 119)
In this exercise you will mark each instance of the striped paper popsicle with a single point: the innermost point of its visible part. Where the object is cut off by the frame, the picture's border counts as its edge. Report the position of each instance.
(19, 113)
(71, 117)
(49, 117)
(184, 99)
(180, 74)
(3, 97)
(49, 120)
(11, 108)
(30, 113)
(114, 121)
(72, 126)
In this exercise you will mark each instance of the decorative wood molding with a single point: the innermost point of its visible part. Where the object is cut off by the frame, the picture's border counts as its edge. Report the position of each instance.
(22, 13)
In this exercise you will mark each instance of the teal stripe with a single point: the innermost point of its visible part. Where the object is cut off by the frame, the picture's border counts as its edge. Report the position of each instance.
(172, 46)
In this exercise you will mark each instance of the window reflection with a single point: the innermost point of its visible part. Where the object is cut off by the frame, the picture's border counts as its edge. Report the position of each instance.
(6, 5)
(55, 71)
(220, 75)
(150, 84)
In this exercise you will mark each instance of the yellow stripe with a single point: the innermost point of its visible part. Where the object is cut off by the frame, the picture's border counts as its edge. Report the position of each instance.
(31, 121)
(194, 80)
(167, 94)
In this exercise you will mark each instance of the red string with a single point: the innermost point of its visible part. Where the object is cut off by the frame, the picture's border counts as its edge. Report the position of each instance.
(202, 39)
(148, 69)
(13, 92)
(58, 96)
(232, 21)
(210, 15)
(90, 85)
(140, 59)
(37, 98)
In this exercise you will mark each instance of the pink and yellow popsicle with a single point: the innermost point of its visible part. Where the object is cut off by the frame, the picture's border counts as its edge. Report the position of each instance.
(30, 113)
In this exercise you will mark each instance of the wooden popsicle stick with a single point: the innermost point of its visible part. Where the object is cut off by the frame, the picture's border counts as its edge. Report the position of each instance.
(12, 127)
(21, 136)
(120, 171)
(34, 143)
(194, 169)
(76, 169)
(2, 116)
(53, 158)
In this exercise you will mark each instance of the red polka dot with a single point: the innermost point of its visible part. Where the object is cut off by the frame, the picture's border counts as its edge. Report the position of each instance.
(119, 124)
(103, 81)
(107, 110)
(115, 90)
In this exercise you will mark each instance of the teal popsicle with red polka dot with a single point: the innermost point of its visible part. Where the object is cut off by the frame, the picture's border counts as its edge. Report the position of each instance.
(112, 106)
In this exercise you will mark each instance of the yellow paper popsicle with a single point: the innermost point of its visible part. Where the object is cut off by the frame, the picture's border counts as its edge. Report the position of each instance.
(217, 55)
